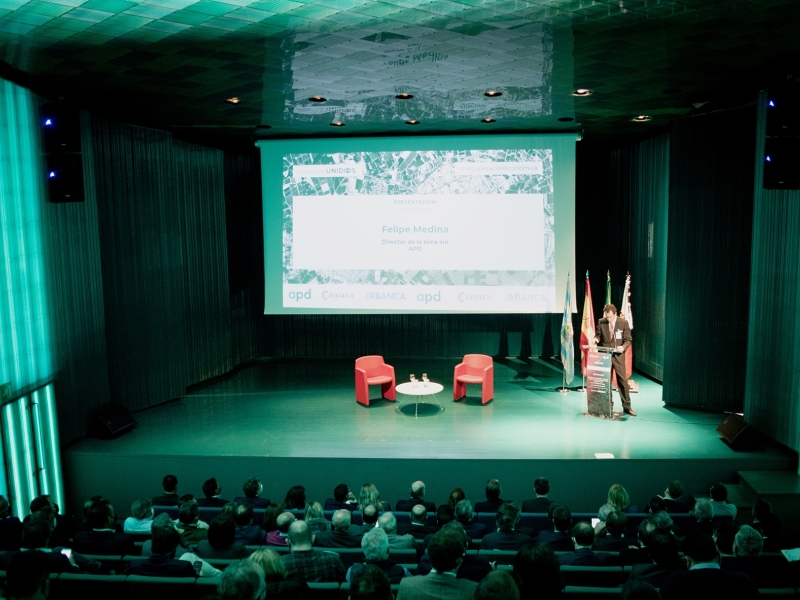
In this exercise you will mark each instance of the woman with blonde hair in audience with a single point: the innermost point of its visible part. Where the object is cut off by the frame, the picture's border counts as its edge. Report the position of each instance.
(370, 495)
(315, 518)
(619, 499)
(456, 496)
(275, 576)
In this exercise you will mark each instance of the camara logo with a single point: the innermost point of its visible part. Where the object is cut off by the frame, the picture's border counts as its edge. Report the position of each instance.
(426, 298)
(300, 296)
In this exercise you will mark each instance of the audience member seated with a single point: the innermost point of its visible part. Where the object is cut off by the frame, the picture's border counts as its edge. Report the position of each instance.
(295, 498)
(724, 536)
(584, 556)
(165, 521)
(162, 562)
(560, 539)
(246, 532)
(767, 524)
(342, 498)
(493, 500)
(417, 528)
(388, 523)
(211, 493)
(656, 505)
(639, 590)
(663, 550)
(456, 496)
(541, 502)
(446, 552)
(619, 499)
(271, 514)
(64, 526)
(170, 496)
(370, 583)
(417, 497)
(242, 580)
(506, 537)
(663, 522)
(278, 587)
(252, 489)
(370, 495)
(673, 498)
(465, 515)
(102, 539)
(703, 512)
(474, 566)
(747, 547)
(375, 544)
(280, 536)
(142, 519)
(719, 501)
(28, 576)
(188, 523)
(637, 552)
(316, 518)
(339, 536)
(369, 518)
(497, 585)
(36, 534)
(444, 515)
(222, 542)
(611, 536)
(705, 579)
(537, 572)
(304, 563)
(10, 527)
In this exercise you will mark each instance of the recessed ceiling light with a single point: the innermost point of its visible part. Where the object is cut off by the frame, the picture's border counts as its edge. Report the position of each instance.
(566, 119)
(337, 124)
(487, 120)
(412, 122)
(233, 100)
(642, 118)
(317, 99)
(672, 91)
(492, 93)
(582, 92)
(404, 96)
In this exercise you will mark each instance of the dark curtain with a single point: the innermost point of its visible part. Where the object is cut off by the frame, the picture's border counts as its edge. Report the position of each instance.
(773, 345)
(708, 260)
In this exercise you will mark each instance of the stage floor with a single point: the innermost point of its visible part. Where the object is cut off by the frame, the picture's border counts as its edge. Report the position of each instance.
(308, 409)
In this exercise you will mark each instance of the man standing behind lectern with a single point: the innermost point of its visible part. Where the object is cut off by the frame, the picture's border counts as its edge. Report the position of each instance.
(613, 332)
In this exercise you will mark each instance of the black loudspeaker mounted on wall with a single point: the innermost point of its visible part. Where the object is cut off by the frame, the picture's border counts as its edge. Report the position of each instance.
(738, 433)
(61, 137)
(111, 422)
(782, 143)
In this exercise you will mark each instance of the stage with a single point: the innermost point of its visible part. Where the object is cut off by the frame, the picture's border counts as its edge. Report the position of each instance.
(297, 422)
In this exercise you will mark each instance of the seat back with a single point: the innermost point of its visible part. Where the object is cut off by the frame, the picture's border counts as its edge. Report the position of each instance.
(476, 363)
(161, 588)
(369, 363)
(88, 587)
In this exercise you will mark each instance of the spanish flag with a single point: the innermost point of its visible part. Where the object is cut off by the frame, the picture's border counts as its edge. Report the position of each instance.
(587, 325)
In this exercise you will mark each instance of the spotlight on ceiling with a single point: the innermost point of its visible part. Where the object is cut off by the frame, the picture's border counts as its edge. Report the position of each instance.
(404, 96)
(492, 94)
(565, 119)
(412, 122)
(487, 120)
(337, 124)
(642, 118)
(582, 92)
(317, 99)
(233, 100)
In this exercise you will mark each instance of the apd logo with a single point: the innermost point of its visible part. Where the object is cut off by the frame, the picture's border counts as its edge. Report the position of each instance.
(300, 296)
(427, 298)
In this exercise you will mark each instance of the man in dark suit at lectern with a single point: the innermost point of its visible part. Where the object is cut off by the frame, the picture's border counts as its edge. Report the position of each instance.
(613, 332)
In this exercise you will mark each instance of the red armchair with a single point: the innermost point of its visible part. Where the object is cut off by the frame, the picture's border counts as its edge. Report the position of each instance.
(475, 368)
(371, 370)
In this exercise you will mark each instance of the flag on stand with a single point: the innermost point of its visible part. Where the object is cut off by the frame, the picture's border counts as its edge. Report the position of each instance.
(587, 325)
(567, 349)
(608, 287)
(627, 314)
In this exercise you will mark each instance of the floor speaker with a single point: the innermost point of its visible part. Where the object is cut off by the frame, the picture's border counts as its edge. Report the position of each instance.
(111, 422)
(738, 432)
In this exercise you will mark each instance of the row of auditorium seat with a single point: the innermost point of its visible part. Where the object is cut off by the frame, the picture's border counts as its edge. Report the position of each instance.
(67, 586)
(536, 521)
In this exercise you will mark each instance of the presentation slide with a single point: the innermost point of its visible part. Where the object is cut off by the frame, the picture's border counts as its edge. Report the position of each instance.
(401, 225)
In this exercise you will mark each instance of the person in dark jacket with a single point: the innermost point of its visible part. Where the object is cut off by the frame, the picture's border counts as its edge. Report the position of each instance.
(222, 542)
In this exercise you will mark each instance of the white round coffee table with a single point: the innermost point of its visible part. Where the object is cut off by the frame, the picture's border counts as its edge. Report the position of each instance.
(418, 391)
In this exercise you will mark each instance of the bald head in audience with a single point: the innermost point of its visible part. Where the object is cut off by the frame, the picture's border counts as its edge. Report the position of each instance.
(341, 519)
(284, 521)
(419, 514)
(300, 536)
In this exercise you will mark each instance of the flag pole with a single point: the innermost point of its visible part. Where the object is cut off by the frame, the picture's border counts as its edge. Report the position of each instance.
(567, 344)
